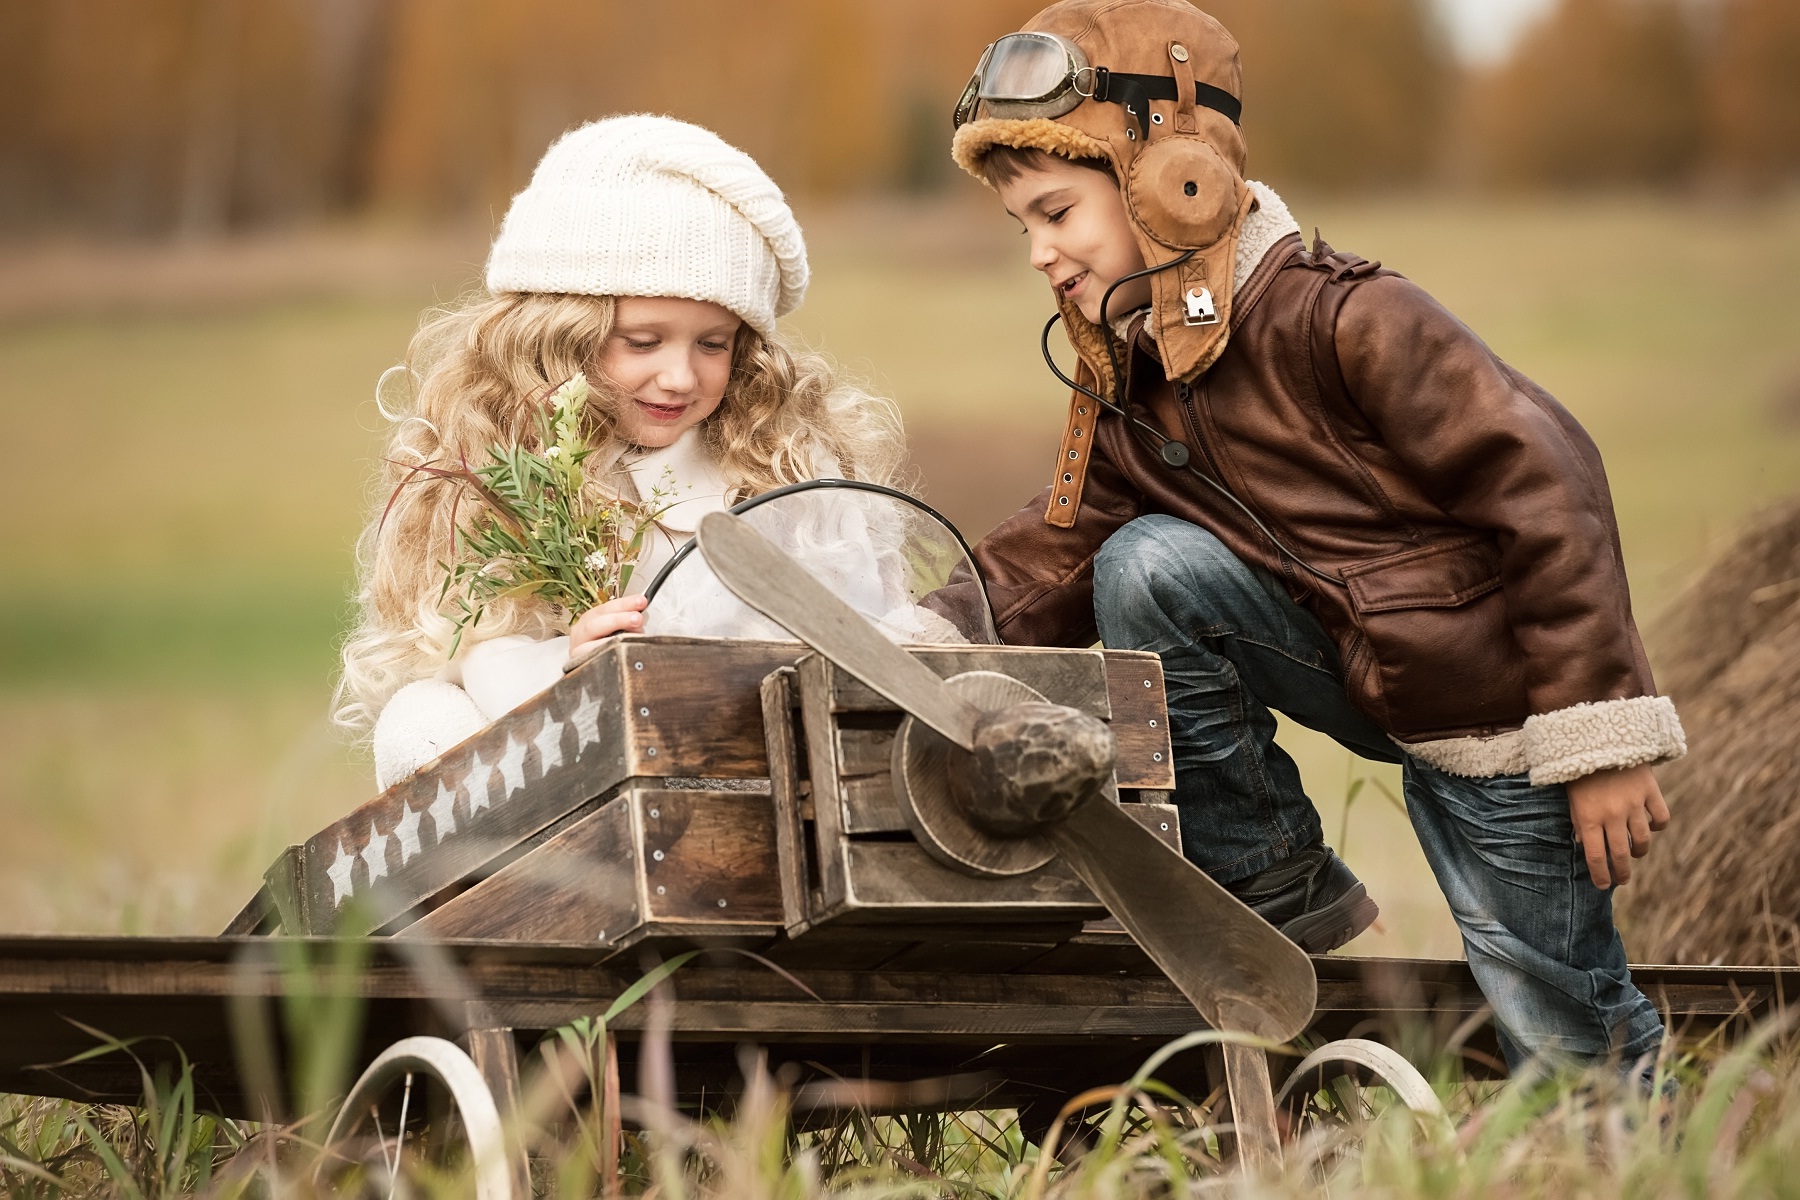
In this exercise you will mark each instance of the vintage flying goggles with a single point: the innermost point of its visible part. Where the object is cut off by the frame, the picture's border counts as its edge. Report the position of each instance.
(1025, 75)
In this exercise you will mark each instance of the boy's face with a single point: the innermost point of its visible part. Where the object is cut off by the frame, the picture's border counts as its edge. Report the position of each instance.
(672, 358)
(1081, 238)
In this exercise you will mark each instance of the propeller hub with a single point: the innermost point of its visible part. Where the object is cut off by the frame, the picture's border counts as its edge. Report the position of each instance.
(1032, 765)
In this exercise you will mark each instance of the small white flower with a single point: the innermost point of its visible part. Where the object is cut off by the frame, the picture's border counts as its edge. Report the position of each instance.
(595, 561)
(553, 452)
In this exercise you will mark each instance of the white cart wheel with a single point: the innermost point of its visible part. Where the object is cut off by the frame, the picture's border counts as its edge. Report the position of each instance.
(421, 1099)
(1342, 1085)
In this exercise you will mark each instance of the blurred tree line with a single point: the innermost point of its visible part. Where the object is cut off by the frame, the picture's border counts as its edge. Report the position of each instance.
(202, 115)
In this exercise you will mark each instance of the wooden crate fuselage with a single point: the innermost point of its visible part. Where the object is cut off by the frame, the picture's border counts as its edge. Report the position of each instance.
(636, 799)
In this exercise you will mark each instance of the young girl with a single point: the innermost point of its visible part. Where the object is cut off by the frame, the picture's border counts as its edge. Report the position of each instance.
(654, 258)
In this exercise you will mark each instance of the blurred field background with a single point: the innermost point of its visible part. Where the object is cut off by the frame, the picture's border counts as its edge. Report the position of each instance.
(219, 221)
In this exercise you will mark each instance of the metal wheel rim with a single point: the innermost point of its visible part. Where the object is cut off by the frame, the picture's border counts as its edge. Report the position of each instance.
(457, 1073)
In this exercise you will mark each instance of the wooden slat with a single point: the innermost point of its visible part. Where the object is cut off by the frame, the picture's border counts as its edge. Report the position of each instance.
(1161, 819)
(694, 706)
(778, 700)
(971, 954)
(708, 857)
(900, 879)
(870, 805)
(1140, 719)
(1076, 678)
(978, 1023)
(583, 885)
(813, 675)
(866, 751)
(459, 812)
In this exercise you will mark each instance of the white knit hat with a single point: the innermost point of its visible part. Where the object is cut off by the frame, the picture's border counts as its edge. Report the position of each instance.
(651, 206)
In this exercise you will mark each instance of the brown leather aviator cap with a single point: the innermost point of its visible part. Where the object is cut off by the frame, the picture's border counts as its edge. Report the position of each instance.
(1158, 102)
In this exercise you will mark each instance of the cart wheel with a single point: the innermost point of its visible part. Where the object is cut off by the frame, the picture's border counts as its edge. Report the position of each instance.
(1338, 1088)
(421, 1109)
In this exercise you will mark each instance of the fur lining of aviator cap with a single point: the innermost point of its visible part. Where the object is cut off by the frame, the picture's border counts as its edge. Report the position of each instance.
(974, 140)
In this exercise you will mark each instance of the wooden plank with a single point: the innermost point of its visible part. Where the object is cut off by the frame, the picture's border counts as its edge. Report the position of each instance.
(693, 706)
(870, 805)
(981, 1024)
(708, 857)
(1076, 678)
(259, 915)
(778, 700)
(1161, 819)
(813, 675)
(1252, 1105)
(901, 879)
(496, 1056)
(285, 883)
(583, 885)
(1140, 719)
(866, 751)
(976, 953)
(459, 812)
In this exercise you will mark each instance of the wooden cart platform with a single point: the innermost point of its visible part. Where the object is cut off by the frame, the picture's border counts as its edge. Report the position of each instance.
(988, 1038)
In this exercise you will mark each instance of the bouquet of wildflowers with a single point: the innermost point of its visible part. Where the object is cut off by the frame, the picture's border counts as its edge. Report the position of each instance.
(540, 533)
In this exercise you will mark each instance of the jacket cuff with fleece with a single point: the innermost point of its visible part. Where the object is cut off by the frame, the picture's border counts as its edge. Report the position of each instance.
(1566, 743)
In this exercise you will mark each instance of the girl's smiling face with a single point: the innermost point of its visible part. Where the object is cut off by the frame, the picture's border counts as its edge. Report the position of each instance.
(672, 359)
(1080, 234)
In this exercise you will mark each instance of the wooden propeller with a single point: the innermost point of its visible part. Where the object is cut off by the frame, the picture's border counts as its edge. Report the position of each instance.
(996, 781)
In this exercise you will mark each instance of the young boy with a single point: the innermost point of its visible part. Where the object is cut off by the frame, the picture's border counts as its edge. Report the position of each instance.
(1310, 489)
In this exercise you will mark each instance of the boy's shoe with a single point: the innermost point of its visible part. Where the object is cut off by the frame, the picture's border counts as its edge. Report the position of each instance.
(1311, 897)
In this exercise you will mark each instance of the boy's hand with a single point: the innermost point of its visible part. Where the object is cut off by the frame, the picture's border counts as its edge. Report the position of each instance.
(1615, 812)
(623, 615)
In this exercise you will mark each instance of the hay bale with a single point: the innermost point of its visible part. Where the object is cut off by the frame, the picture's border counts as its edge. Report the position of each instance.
(1722, 884)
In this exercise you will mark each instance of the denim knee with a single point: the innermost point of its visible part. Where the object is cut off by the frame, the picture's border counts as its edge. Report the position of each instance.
(1156, 567)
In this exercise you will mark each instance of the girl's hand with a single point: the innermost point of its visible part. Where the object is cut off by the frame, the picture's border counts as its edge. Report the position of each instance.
(1615, 814)
(624, 615)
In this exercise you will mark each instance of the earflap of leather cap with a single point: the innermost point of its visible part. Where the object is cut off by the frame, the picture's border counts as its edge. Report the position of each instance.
(1182, 193)
(1192, 302)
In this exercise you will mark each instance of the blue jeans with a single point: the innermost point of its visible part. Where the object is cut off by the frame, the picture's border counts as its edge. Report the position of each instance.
(1538, 934)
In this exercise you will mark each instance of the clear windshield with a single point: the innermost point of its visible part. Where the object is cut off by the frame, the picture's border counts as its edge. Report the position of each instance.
(898, 564)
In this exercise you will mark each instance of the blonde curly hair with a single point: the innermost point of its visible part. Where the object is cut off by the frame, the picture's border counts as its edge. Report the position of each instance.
(476, 371)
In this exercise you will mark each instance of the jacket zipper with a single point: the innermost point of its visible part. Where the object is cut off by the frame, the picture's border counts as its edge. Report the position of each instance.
(1185, 394)
(1191, 411)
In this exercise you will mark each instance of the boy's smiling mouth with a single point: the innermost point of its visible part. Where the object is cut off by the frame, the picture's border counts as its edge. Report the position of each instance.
(1067, 287)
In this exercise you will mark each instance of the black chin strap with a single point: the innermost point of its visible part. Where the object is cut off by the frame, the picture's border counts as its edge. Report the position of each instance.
(1134, 93)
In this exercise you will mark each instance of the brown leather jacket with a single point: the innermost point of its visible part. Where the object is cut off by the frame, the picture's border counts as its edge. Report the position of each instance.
(1465, 510)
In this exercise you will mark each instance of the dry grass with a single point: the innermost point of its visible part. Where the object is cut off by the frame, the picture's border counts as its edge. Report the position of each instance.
(1720, 886)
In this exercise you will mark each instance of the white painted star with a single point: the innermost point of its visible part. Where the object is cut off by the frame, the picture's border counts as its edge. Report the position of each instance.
(549, 744)
(443, 812)
(375, 853)
(586, 719)
(408, 833)
(339, 874)
(480, 775)
(512, 766)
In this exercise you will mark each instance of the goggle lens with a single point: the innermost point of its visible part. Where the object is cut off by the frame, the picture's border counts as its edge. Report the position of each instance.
(1024, 75)
(1026, 67)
